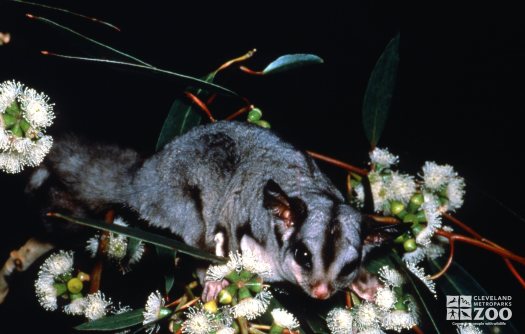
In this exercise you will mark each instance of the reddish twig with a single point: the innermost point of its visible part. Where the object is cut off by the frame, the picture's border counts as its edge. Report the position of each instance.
(348, 299)
(447, 264)
(465, 227)
(338, 163)
(417, 330)
(462, 225)
(245, 56)
(480, 244)
(96, 273)
(384, 219)
(201, 105)
(249, 71)
(239, 112)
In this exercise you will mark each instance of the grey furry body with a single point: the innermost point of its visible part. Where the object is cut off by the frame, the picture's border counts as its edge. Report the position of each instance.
(222, 187)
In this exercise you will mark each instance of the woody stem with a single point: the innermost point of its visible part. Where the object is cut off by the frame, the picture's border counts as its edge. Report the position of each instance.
(338, 163)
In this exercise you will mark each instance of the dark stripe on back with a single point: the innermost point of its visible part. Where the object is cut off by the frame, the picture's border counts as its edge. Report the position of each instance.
(331, 238)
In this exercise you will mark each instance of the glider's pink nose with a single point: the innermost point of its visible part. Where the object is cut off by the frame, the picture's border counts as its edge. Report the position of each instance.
(321, 291)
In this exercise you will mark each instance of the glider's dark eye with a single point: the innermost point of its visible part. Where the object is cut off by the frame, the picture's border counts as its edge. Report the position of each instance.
(302, 256)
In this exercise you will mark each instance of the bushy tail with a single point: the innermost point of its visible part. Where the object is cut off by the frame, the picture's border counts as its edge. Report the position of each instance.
(92, 174)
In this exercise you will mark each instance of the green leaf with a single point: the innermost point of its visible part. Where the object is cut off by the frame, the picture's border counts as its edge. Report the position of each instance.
(167, 263)
(136, 62)
(292, 61)
(148, 237)
(379, 92)
(114, 322)
(182, 116)
(458, 281)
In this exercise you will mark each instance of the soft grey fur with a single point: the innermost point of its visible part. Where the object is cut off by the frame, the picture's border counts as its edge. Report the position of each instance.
(215, 180)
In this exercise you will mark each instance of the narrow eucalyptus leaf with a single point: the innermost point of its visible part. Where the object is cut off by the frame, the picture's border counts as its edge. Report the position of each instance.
(291, 61)
(379, 92)
(114, 322)
(148, 237)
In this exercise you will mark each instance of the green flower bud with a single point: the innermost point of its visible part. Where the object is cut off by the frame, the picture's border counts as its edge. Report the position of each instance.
(74, 296)
(263, 124)
(13, 109)
(60, 288)
(75, 285)
(254, 115)
(415, 202)
(9, 120)
(396, 207)
(255, 285)
(400, 306)
(420, 216)
(401, 238)
(16, 130)
(410, 245)
(244, 293)
(164, 312)
(233, 277)
(275, 329)
(211, 307)
(410, 218)
(83, 276)
(226, 295)
(245, 275)
(417, 228)
(24, 125)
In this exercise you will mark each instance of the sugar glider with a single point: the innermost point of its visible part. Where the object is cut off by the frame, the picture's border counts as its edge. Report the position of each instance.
(222, 187)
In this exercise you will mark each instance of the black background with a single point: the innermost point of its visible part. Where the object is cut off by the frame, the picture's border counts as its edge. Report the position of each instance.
(460, 81)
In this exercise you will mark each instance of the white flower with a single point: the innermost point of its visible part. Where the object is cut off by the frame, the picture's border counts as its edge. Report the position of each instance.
(226, 330)
(58, 263)
(366, 315)
(340, 321)
(96, 306)
(383, 157)
(371, 331)
(92, 245)
(247, 261)
(468, 328)
(385, 298)
(137, 255)
(76, 307)
(38, 151)
(437, 176)
(433, 217)
(198, 322)
(117, 246)
(398, 320)
(285, 319)
(5, 140)
(415, 256)
(434, 251)
(455, 193)
(401, 187)
(251, 308)
(24, 115)
(10, 162)
(420, 274)
(38, 111)
(154, 304)
(359, 194)
(379, 192)
(46, 292)
(391, 276)
(9, 91)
